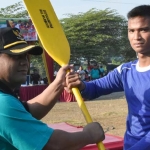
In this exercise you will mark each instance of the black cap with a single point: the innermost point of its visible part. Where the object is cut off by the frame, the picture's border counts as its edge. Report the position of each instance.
(12, 42)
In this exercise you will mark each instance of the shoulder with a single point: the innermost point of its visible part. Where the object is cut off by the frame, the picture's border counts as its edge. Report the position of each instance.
(127, 66)
(7, 98)
(14, 118)
(9, 103)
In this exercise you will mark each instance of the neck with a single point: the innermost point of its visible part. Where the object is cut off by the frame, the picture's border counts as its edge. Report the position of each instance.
(144, 60)
(6, 89)
(11, 86)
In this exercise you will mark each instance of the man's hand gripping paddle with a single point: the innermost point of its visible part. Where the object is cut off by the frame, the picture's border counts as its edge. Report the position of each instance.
(54, 41)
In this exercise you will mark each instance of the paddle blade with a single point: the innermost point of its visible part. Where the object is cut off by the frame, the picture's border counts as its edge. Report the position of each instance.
(49, 30)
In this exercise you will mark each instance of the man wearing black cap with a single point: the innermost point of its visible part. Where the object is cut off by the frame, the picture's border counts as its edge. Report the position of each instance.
(20, 127)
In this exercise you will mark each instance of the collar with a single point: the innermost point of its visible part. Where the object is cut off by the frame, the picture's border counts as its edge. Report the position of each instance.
(142, 69)
(5, 89)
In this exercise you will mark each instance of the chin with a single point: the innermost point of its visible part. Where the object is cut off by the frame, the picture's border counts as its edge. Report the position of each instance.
(144, 53)
(139, 51)
(21, 81)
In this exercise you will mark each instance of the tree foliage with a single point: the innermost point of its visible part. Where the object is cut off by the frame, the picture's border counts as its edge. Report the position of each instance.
(97, 35)
(14, 11)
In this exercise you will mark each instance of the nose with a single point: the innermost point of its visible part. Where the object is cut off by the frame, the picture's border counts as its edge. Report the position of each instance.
(137, 35)
(24, 59)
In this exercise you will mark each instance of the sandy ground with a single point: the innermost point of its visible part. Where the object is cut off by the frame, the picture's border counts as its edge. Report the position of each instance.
(110, 111)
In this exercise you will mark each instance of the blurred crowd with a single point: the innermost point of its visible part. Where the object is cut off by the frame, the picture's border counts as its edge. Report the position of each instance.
(89, 73)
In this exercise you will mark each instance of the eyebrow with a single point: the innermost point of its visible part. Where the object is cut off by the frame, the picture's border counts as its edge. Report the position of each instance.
(139, 28)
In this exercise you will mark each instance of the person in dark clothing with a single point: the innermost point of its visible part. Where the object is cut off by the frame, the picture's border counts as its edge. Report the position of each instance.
(35, 77)
(101, 71)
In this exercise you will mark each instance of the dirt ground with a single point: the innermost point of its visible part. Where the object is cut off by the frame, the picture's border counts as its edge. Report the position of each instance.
(110, 111)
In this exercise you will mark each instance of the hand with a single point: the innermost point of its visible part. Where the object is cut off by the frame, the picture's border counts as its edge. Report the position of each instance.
(61, 74)
(94, 132)
(73, 80)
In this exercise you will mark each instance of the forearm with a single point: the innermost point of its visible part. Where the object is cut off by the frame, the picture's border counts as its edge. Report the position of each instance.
(67, 141)
(43, 103)
(103, 86)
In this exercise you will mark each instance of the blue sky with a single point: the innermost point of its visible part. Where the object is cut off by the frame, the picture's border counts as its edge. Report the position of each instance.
(63, 7)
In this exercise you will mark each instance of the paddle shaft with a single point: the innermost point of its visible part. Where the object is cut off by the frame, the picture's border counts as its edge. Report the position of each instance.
(85, 112)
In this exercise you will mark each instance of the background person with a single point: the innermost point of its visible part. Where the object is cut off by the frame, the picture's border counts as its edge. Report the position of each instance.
(86, 74)
(95, 72)
(81, 73)
(10, 23)
(35, 77)
(101, 71)
(18, 25)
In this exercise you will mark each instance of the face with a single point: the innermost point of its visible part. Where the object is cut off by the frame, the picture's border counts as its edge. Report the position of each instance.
(11, 23)
(80, 68)
(14, 69)
(95, 67)
(139, 34)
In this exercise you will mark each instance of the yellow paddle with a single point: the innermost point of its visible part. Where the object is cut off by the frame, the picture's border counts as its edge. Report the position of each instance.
(54, 41)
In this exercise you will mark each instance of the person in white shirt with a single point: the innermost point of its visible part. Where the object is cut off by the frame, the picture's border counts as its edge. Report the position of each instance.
(81, 73)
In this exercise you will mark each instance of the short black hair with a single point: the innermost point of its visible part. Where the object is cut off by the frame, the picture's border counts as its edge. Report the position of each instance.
(142, 10)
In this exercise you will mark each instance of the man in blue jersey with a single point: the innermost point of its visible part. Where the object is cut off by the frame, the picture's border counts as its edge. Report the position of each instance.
(133, 78)
(20, 125)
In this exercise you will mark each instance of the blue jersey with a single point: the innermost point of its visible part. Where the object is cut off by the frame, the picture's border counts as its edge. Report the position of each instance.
(135, 82)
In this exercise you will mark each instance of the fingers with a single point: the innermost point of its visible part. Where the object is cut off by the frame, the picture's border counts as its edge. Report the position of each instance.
(72, 80)
(67, 68)
(95, 131)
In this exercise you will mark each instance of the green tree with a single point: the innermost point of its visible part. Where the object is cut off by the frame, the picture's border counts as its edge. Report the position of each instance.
(96, 35)
(16, 10)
